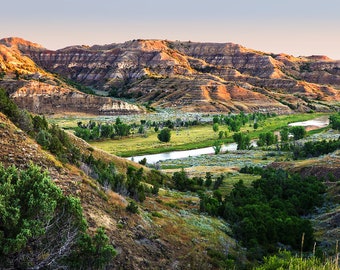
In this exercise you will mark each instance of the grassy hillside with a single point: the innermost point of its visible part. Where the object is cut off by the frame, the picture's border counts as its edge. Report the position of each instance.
(150, 238)
(180, 220)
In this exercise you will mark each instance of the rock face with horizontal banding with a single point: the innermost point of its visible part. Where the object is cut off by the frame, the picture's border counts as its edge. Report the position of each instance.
(211, 77)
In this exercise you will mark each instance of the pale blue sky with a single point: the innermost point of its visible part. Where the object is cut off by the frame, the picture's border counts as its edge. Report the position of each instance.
(298, 27)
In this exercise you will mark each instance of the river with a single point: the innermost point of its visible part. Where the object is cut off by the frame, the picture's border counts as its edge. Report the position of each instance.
(182, 154)
(319, 122)
(154, 158)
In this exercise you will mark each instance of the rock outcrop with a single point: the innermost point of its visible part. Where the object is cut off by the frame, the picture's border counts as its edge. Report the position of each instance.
(43, 98)
(196, 76)
(39, 91)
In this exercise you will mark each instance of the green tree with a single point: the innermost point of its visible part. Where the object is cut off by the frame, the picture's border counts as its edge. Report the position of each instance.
(215, 127)
(122, 129)
(242, 140)
(118, 121)
(95, 133)
(284, 133)
(164, 135)
(83, 133)
(143, 161)
(39, 123)
(44, 138)
(95, 252)
(25, 122)
(141, 130)
(235, 125)
(181, 180)
(217, 147)
(106, 131)
(36, 218)
(132, 207)
(216, 119)
(218, 182)
(267, 139)
(8, 107)
(334, 121)
(28, 201)
(208, 179)
(298, 132)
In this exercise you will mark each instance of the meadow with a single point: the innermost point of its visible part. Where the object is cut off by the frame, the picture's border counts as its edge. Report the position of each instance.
(181, 138)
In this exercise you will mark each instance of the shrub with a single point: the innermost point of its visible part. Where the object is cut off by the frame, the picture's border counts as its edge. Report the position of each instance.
(164, 135)
(8, 107)
(285, 260)
(36, 218)
(217, 147)
(334, 121)
(143, 161)
(132, 207)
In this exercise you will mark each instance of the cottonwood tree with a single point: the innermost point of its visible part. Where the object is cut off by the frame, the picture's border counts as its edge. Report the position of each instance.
(298, 132)
(242, 140)
(164, 135)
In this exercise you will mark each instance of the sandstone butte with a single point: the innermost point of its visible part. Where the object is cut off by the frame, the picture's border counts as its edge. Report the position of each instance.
(190, 76)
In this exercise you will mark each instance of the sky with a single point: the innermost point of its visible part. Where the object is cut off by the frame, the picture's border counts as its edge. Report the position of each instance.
(296, 27)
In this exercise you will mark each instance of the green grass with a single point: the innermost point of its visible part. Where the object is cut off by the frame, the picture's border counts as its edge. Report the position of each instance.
(285, 260)
(193, 138)
(231, 180)
(70, 122)
(316, 131)
(277, 123)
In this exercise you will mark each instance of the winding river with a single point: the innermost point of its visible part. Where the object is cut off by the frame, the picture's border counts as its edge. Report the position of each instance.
(182, 154)
(319, 122)
(154, 158)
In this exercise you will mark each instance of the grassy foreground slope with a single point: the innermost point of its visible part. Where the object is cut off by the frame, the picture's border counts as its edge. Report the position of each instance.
(166, 233)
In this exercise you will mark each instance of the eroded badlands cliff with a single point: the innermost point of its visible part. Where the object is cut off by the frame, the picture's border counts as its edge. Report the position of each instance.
(192, 76)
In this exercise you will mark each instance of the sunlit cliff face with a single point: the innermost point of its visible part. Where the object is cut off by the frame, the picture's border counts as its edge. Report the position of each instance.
(190, 76)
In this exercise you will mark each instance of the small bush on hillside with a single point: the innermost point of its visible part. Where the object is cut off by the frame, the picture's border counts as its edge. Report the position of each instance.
(132, 207)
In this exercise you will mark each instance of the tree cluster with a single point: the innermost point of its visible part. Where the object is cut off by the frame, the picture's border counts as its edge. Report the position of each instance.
(256, 170)
(298, 132)
(184, 183)
(334, 121)
(315, 149)
(51, 138)
(236, 121)
(268, 212)
(95, 131)
(56, 140)
(41, 228)
(20, 118)
(266, 139)
(129, 184)
(242, 140)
